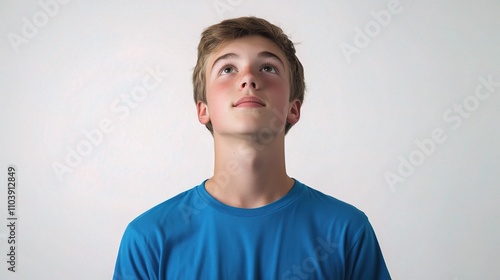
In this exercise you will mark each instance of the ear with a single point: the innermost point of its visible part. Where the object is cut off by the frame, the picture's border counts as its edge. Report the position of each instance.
(293, 115)
(203, 114)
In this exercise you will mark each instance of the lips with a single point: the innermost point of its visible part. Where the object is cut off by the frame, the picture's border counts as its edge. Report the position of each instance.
(249, 101)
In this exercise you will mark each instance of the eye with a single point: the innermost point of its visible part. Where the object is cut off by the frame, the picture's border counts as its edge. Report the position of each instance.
(227, 69)
(269, 68)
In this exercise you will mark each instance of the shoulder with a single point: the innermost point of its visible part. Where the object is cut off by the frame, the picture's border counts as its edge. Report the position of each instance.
(324, 207)
(345, 225)
(163, 215)
(144, 240)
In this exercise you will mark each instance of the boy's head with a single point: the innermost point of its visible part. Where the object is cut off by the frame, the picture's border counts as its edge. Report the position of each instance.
(228, 30)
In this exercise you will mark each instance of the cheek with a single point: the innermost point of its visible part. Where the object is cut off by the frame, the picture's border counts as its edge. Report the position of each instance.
(216, 98)
(219, 88)
(280, 90)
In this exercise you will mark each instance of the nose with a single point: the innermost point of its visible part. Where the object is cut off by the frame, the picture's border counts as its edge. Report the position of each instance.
(249, 81)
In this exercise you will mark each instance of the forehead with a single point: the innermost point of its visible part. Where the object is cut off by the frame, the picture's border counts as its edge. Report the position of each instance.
(248, 45)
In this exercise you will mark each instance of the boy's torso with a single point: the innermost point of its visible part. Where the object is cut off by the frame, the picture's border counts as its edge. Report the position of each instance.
(304, 235)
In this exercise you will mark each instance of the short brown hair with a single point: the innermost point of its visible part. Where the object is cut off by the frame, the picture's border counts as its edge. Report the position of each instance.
(232, 29)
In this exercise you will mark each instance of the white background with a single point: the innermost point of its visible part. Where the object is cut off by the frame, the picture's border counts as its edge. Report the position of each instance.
(361, 117)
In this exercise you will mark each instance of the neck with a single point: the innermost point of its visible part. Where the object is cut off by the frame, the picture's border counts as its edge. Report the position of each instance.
(248, 173)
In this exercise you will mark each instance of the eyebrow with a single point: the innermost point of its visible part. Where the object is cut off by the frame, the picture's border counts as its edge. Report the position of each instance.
(263, 54)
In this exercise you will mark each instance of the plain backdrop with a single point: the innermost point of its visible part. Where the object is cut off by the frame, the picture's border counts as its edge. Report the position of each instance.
(400, 119)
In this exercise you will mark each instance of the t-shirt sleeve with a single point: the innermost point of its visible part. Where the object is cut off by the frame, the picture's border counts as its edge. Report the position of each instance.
(365, 260)
(135, 258)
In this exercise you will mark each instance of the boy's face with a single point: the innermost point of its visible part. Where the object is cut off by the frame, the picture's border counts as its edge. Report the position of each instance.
(248, 89)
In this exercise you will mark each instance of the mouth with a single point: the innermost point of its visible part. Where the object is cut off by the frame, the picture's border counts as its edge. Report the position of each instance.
(249, 101)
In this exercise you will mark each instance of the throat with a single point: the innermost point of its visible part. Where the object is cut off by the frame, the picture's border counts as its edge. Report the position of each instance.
(247, 175)
(242, 194)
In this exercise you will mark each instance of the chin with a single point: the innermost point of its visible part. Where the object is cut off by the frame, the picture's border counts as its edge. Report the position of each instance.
(258, 131)
(247, 130)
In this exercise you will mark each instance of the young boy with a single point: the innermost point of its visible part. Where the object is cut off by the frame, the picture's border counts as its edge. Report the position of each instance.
(250, 220)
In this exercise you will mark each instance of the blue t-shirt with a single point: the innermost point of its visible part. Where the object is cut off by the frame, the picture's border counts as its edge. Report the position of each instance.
(303, 235)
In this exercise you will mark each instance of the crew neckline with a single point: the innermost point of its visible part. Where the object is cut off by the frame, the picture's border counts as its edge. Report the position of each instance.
(288, 198)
